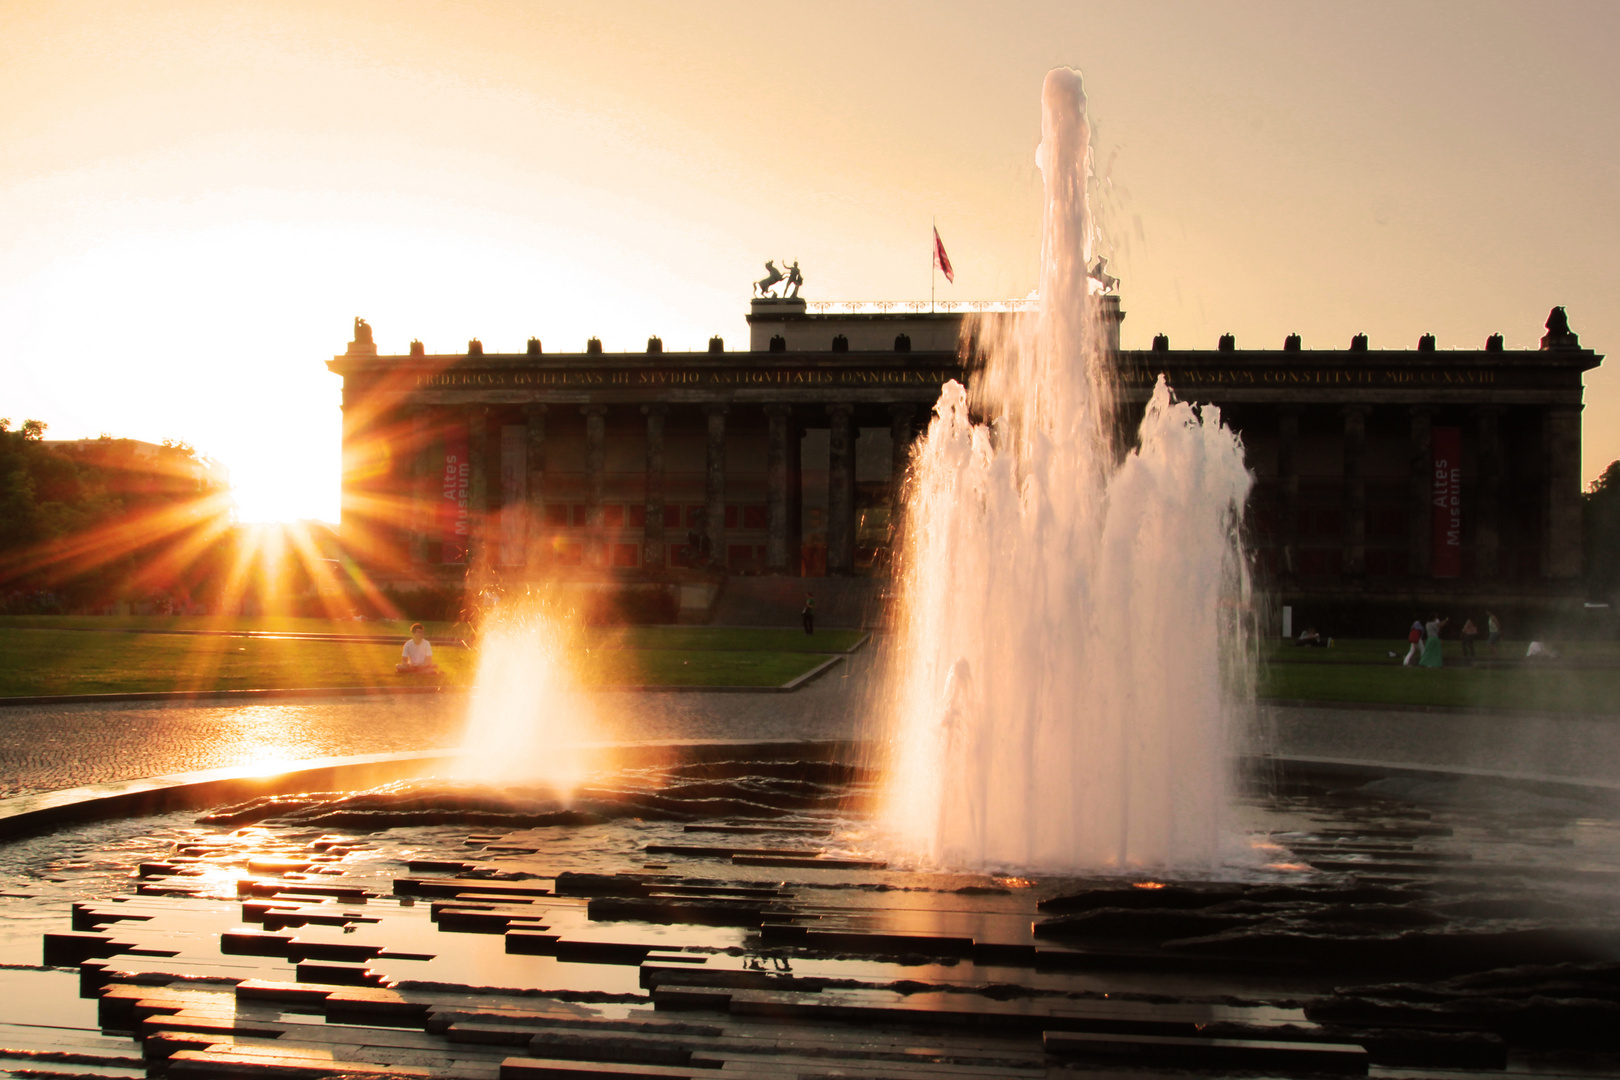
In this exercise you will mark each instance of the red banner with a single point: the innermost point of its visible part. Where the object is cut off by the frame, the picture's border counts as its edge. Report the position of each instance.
(1445, 501)
(456, 478)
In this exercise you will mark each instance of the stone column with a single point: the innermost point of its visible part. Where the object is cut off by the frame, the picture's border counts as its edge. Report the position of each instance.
(1487, 488)
(1288, 488)
(535, 550)
(422, 484)
(478, 486)
(595, 480)
(1355, 490)
(795, 498)
(1419, 553)
(779, 429)
(652, 533)
(1561, 521)
(841, 491)
(900, 432)
(714, 523)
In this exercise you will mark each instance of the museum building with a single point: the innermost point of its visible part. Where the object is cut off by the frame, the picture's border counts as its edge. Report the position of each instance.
(1415, 476)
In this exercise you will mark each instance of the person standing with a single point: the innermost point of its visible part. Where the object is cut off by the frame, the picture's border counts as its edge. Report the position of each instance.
(1414, 638)
(809, 614)
(1493, 631)
(1470, 634)
(1433, 657)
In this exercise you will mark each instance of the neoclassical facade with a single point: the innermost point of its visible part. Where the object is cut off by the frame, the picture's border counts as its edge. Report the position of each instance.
(1415, 476)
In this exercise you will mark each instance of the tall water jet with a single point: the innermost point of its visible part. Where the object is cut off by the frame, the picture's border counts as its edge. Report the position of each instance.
(1053, 695)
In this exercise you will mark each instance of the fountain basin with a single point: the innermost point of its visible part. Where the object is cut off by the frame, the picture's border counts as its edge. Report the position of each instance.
(1379, 923)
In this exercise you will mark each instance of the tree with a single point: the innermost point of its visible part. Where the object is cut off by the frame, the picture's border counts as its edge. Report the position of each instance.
(1600, 525)
(87, 523)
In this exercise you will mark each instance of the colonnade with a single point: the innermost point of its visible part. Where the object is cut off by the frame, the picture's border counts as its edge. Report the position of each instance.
(1558, 525)
(784, 424)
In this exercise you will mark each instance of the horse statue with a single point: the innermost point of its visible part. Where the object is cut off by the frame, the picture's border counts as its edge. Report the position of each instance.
(794, 281)
(765, 284)
(1099, 273)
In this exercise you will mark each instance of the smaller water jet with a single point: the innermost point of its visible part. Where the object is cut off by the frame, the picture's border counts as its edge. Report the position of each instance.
(529, 720)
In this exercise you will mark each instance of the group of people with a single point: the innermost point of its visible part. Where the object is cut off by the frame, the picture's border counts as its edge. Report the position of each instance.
(1424, 640)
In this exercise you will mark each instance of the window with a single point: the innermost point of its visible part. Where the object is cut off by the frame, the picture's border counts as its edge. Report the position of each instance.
(579, 515)
(626, 555)
(672, 516)
(637, 515)
(557, 514)
(731, 516)
(613, 516)
(753, 517)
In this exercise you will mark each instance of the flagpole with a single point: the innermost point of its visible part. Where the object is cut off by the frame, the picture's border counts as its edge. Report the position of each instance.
(933, 265)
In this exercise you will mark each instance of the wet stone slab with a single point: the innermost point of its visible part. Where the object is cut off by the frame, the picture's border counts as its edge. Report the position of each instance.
(1354, 934)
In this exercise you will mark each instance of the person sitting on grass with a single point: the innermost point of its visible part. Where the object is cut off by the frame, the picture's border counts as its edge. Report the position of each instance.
(418, 654)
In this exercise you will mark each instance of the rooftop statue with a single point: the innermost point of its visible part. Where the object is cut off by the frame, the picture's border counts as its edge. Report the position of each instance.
(1559, 335)
(1099, 273)
(794, 280)
(765, 284)
(362, 332)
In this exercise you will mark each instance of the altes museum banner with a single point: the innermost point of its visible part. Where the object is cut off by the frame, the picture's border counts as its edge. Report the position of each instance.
(1446, 501)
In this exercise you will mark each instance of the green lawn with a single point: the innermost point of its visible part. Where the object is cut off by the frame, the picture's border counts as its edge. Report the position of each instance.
(71, 662)
(1363, 671)
(279, 624)
(704, 638)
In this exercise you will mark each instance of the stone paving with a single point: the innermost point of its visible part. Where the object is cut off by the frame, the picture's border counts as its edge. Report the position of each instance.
(1556, 745)
(43, 748)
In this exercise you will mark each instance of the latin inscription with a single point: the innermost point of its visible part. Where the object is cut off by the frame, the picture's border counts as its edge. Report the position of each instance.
(881, 377)
(630, 379)
(1308, 377)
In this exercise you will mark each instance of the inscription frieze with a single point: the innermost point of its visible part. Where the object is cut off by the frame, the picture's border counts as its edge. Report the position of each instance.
(1193, 376)
(490, 380)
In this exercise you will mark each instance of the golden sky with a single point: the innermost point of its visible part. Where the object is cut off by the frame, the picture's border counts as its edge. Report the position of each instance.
(197, 198)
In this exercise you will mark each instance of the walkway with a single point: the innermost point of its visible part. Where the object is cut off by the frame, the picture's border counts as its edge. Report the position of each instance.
(43, 748)
(47, 747)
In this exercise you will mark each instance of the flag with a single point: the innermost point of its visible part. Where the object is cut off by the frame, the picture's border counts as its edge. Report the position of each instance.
(942, 260)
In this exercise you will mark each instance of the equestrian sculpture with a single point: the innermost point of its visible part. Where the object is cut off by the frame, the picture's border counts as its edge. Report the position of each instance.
(765, 284)
(1099, 273)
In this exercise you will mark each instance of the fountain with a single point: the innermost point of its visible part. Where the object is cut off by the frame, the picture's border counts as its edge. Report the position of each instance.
(1053, 696)
(1058, 697)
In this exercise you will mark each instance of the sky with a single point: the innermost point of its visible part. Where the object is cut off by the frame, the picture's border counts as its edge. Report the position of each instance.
(196, 199)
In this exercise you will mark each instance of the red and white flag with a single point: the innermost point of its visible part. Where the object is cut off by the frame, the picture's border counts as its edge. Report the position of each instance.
(942, 260)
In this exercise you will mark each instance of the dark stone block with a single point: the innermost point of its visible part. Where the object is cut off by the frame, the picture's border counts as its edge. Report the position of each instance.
(569, 883)
(670, 911)
(337, 975)
(437, 866)
(253, 943)
(1169, 897)
(67, 950)
(808, 863)
(888, 944)
(521, 1068)
(1161, 1050)
(574, 1047)
(601, 952)
(530, 943)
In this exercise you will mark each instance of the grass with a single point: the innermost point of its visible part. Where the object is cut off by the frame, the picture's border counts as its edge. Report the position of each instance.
(1363, 671)
(699, 638)
(39, 662)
